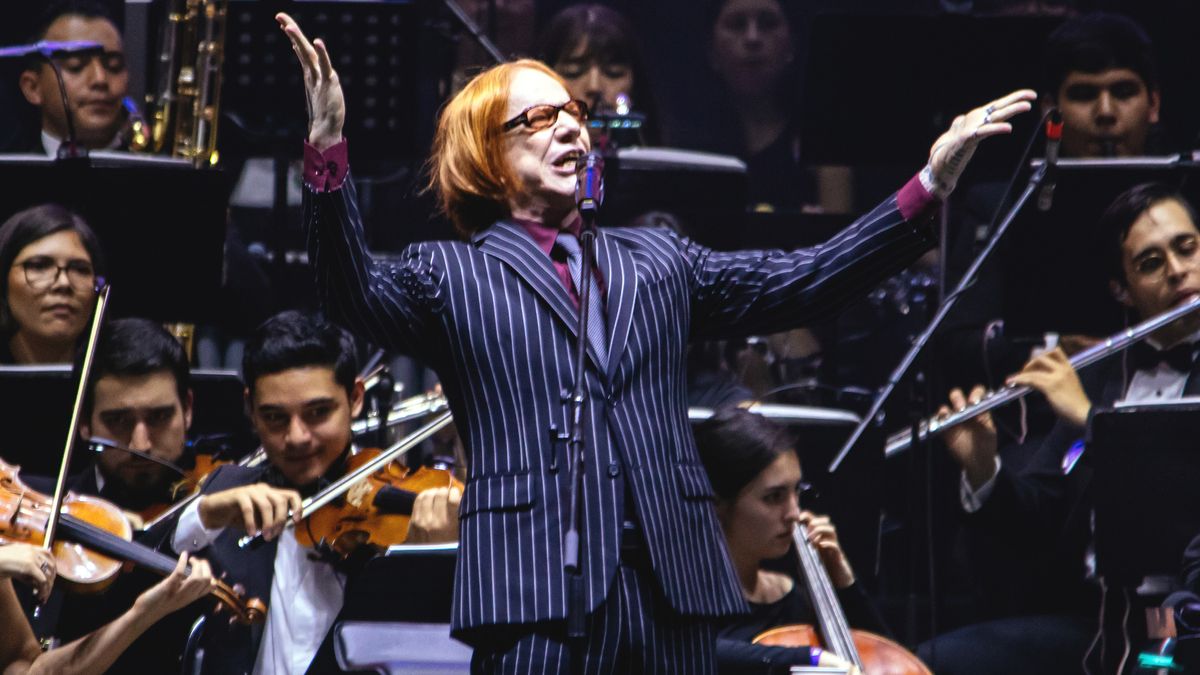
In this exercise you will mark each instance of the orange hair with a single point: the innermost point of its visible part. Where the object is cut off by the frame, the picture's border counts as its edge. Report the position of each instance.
(467, 169)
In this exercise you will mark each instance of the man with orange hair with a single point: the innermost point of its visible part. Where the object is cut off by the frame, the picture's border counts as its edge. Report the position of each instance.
(496, 317)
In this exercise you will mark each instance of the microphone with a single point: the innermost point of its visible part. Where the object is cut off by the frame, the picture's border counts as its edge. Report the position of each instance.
(49, 48)
(1054, 129)
(589, 186)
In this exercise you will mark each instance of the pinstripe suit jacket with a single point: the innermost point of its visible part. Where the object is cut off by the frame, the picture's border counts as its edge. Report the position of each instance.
(493, 319)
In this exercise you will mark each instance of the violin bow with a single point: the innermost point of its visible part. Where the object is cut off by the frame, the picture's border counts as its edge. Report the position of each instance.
(85, 372)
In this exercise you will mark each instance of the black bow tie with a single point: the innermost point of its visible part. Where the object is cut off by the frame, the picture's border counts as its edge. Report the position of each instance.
(1181, 357)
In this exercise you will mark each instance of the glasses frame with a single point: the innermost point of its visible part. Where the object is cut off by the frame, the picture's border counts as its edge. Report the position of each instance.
(58, 269)
(523, 118)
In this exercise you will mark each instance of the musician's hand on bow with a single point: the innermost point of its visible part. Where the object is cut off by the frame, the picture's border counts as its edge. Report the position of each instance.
(435, 516)
(973, 443)
(1051, 374)
(254, 509)
(28, 564)
(179, 589)
(322, 88)
(823, 535)
(953, 150)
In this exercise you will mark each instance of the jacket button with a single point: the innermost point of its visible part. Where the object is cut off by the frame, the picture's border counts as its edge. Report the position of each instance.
(614, 469)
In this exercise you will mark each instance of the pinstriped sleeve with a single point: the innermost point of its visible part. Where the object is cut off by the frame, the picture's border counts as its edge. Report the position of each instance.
(389, 304)
(747, 292)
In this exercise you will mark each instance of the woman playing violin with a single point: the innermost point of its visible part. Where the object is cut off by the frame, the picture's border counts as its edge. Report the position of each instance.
(755, 473)
(93, 653)
(51, 260)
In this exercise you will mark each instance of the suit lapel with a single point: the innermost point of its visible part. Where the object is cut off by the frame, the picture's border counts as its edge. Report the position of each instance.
(620, 278)
(509, 243)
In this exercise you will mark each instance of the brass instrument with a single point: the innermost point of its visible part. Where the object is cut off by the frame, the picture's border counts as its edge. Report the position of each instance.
(183, 108)
(902, 440)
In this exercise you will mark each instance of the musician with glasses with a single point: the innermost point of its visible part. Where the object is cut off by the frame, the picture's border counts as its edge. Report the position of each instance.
(496, 317)
(1152, 241)
(96, 83)
(51, 261)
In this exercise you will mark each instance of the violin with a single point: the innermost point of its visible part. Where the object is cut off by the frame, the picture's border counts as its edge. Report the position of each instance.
(94, 541)
(187, 485)
(379, 495)
(375, 512)
(871, 653)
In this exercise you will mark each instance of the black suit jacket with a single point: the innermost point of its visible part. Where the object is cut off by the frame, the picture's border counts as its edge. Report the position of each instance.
(1047, 514)
(230, 647)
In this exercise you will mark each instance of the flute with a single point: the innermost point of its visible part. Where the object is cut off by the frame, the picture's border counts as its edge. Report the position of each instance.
(902, 440)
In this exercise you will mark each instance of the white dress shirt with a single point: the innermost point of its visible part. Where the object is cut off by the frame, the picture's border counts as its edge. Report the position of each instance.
(306, 596)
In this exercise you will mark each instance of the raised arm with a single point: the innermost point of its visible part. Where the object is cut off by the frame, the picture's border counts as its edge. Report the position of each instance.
(387, 304)
(767, 291)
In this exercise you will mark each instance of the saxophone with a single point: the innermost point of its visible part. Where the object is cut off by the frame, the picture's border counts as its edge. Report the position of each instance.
(183, 107)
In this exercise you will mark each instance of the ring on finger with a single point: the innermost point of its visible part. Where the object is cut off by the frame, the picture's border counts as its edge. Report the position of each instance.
(45, 568)
(989, 110)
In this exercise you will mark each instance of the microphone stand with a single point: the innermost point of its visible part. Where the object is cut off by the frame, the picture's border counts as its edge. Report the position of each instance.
(575, 448)
(69, 148)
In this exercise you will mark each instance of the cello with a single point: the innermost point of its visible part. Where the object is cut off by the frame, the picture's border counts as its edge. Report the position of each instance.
(870, 653)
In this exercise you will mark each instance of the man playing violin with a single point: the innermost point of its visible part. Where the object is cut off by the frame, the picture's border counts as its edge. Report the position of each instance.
(1152, 238)
(302, 392)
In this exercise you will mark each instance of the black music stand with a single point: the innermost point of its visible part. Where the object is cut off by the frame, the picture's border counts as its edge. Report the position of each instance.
(1146, 487)
(396, 614)
(37, 410)
(161, 224)
(1055, 266)
(383, 59)
(863, 108)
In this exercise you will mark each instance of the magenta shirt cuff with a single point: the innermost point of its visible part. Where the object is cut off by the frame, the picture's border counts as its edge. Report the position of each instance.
(325, 171)
(913, 199)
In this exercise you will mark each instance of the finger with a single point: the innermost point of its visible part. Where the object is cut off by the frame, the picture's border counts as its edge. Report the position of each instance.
(977, 393)
(296, 506)
(1006, 112)
(247, 508)
(264, 511)
(943, 412)
(304, 49)
(1013, 97)
(421, 507)
(47, 562)
(957, 400)
(323, 61)
(441, 498)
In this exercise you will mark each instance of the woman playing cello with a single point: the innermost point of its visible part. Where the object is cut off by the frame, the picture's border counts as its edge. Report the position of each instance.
(755, 473)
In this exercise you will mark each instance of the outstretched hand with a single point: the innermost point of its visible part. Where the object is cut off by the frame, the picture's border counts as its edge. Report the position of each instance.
(952, 150)
(322, 89)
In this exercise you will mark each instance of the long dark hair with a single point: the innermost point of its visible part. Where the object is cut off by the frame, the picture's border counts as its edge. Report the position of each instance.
(30, 225)
(736, 445)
